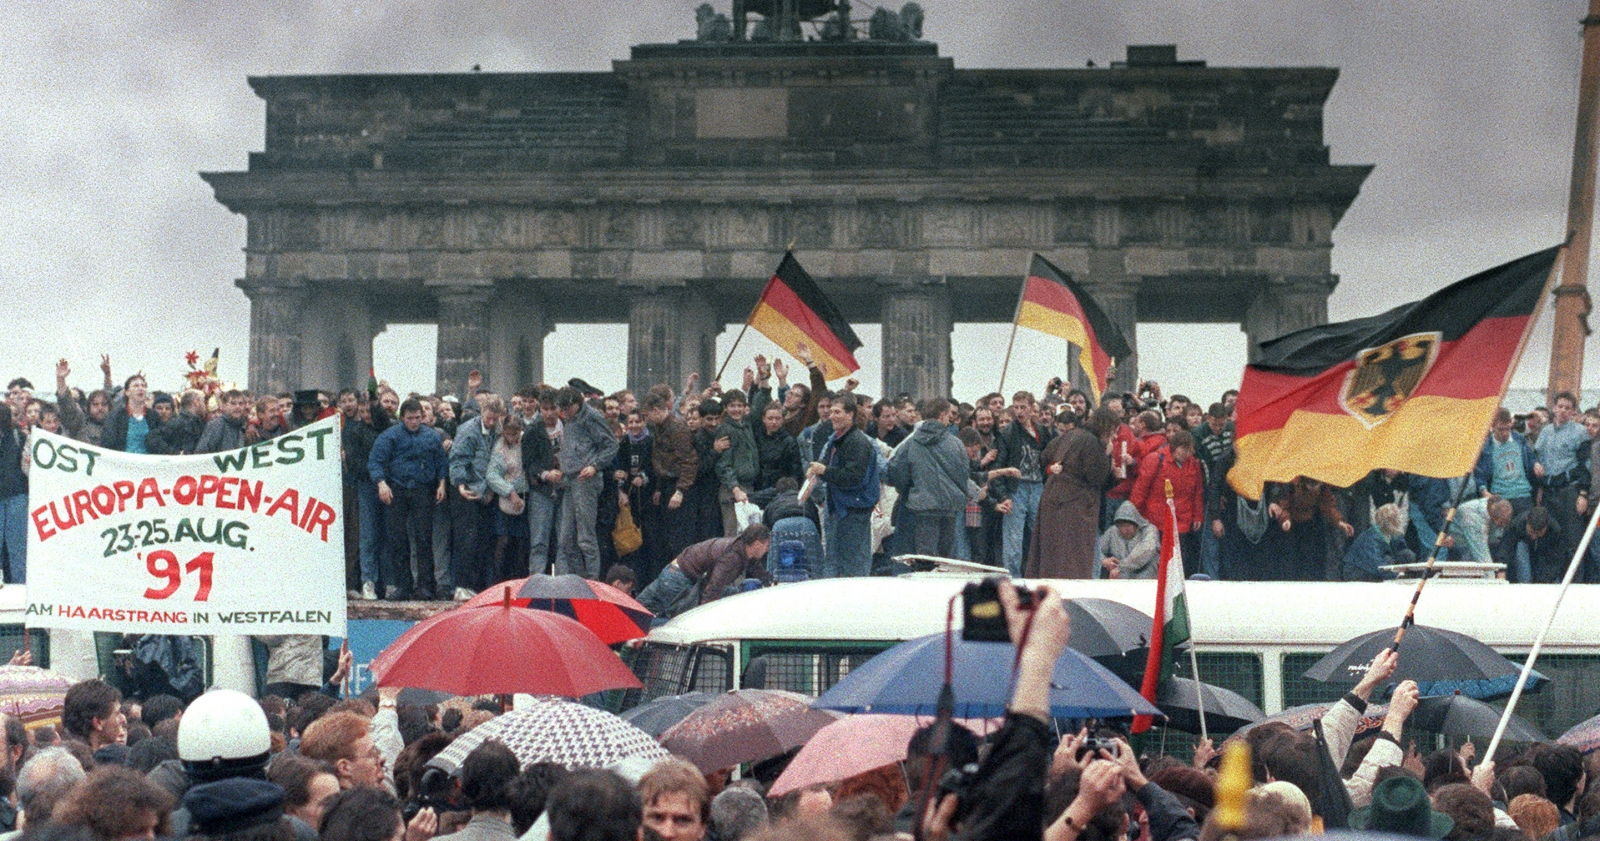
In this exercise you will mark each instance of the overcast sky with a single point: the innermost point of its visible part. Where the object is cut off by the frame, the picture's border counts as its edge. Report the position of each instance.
(110, 242)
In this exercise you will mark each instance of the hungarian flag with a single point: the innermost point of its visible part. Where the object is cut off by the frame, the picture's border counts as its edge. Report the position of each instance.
(1051, 303)
(1412, 389)
(792, 309)
(1171, 626)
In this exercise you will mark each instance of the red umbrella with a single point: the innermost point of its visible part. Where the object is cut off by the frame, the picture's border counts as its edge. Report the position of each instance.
(847, 747)
(613, 615)
(745, 725)
(502, 650)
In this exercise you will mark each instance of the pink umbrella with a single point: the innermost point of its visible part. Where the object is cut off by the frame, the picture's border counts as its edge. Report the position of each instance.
(850, 746)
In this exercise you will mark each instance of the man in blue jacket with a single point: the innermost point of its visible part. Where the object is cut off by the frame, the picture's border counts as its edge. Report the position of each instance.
(408, 465)
(1508, 467)
(471, 505)
(848, 467)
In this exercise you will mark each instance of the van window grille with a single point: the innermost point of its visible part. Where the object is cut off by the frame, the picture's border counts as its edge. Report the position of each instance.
(1299, 689)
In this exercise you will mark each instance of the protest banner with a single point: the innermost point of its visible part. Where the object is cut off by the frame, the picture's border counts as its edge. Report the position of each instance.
(248, 541)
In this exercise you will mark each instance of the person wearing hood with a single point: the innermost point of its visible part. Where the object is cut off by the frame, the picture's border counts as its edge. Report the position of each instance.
(929, 469)
(1131, 547)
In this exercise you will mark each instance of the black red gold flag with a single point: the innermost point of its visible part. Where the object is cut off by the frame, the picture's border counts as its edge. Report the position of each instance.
(793, 309)
(1052, 304)
(1412, 389)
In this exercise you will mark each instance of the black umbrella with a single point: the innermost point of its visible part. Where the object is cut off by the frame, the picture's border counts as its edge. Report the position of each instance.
(410, 696)
(1226, 711)
(1453, 662)
(1458, 715)
(1114, 634)
(656, 717)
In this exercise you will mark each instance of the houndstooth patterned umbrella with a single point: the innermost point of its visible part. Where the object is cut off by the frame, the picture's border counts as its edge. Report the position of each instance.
(557, 731)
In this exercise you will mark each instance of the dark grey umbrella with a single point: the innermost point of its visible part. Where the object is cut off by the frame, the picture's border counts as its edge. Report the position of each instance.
(1114, 634)
(1226, 711)
(1450, 661)
(1458, 715)
(656, 717)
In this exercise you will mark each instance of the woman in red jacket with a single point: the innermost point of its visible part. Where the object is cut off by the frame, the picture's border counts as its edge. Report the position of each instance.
(1177, 464)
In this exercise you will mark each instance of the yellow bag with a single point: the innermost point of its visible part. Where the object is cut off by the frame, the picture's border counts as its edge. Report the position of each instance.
(626, 534)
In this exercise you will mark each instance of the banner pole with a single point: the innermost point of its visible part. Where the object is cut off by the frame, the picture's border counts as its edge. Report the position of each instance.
(1538, 642)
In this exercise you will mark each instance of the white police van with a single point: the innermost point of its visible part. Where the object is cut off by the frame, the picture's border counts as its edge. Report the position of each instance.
(1255, 638)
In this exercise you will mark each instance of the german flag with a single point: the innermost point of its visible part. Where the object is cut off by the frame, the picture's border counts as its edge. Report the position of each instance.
(1412, 389)
(792, 309)
(1053, 304)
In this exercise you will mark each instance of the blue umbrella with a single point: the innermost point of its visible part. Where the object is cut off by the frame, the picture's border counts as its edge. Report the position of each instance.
(906, 680)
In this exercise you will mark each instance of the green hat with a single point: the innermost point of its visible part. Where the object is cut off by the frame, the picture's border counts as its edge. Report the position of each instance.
(1400, 805)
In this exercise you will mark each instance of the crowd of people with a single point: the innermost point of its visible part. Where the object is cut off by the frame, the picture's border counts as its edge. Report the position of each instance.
(446, 496)
(314, 766)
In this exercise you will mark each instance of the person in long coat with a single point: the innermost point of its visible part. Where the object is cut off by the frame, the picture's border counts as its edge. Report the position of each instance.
(1076, 470)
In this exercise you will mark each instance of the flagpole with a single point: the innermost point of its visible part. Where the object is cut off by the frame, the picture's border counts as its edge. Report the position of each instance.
(1572, 295)
(736, 341)
(1538, 641)
(1433, 559)
(1194, 662)
(1199, 695)
(1015, 316)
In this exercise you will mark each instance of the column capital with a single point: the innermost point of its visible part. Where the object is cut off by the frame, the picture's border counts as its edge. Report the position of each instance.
(910, 283)
(461, 292)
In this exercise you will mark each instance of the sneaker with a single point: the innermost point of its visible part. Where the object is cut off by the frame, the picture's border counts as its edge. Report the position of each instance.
(369, 591)
(462, 594)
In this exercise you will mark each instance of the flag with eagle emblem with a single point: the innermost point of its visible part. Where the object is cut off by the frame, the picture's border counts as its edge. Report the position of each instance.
(1412, 389)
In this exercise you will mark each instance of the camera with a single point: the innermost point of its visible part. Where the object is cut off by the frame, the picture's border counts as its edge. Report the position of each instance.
(959, 781)
(983, 618)
(1092, 746)
(435, 789)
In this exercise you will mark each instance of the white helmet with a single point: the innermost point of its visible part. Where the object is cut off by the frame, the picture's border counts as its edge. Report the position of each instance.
(223, 734)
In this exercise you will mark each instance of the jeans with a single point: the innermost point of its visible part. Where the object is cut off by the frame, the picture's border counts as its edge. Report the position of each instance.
(1521, 571)
(408, 524)
(1023, 517)
(371, 523)
(932, 532)
(578, 550)
(471, 524)
(963, 548)
(443, 540)
(541, 516)
(1210, 553)
(667, 592)
(848, 551)
(14, 534)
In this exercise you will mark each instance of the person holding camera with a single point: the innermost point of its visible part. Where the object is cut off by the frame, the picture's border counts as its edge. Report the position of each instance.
(1006, 797)
(486, 776)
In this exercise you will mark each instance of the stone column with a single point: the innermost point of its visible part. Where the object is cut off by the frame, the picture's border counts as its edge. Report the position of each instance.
(916, 337)
(518, 327)
(275, 340)
(1287, 304)
(1117, 292)
(463, 335)
(672, 332)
